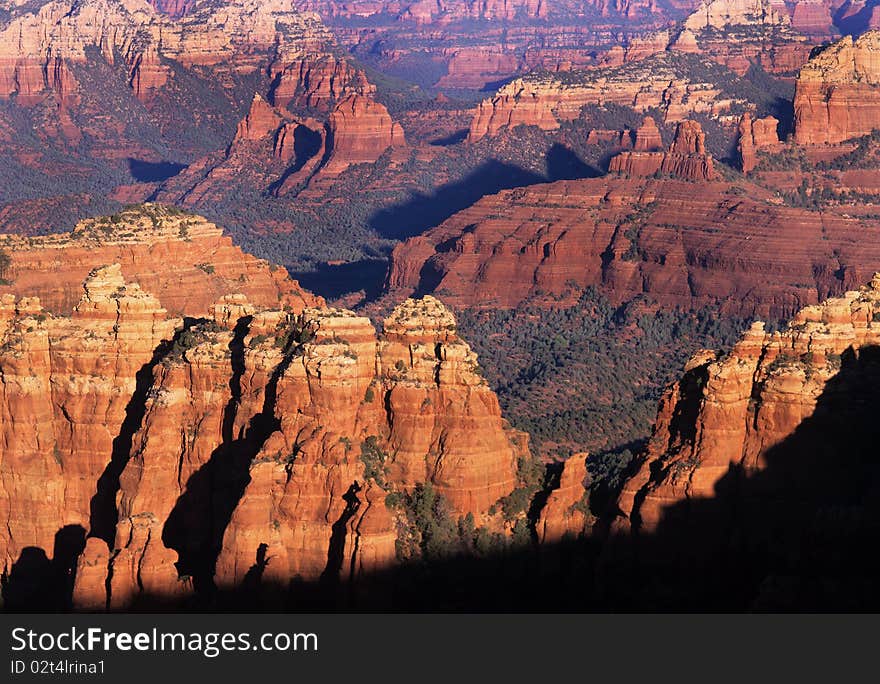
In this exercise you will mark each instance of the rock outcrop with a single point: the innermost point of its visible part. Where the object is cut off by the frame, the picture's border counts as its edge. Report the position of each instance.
(754, 135)
(686, 158)
(838, 92)
(565, 514)
(647, 138)
(757, 486)
(731, 412)
(360, 130)
(720, 14)
(187, 261)
(663, 81)
(160, 457)
(682, 244)
(38, 47)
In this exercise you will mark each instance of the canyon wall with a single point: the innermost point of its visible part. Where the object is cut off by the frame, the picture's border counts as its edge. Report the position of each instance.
(152, 459)
(681, 243)
(838, 92)
(184, 259)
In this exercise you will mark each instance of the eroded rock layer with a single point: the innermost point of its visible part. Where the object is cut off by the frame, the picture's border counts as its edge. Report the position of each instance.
(184, 259)
(758, 486)
(681, 243)
(241, 450)
(838, 91)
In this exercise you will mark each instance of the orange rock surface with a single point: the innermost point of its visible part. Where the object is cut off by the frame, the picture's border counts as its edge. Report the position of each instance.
(184, 259)
(563, 516)
(251, 445)
(838, 92)
(729, 412)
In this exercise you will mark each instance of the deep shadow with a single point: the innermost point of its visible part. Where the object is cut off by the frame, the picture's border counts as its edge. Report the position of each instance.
(857, 23)
(563, 164)
(451, 139)
(421, 212)
(336, 548)
(800, 534)
(36, 583)
(306, 144)
(151, 172)
(335, 280)
(198, 521)
(103, 514)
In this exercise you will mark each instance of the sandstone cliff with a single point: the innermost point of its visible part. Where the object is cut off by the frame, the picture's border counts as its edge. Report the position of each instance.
(184, 259)
(678, 242)
(758, 486)
(252, 445)
(838, 92)
(754, 135)
(37, 47)
(663, 81)
(686, 158)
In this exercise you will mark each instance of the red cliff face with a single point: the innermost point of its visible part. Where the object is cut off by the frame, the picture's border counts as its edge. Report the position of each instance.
(662, 81)
(838, 92)
(184, 259)
(38, 45)
(679, 242)
(754, 135)
(66, 389)
(360, 130)
(734, 413)
(251, 442)
(686, 158)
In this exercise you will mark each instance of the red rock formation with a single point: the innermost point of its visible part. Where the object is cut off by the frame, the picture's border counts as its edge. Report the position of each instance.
(686, 158)
(542, 100)
(648, 137)
(728, 413)
(36, 44)
(257, 437)
(476, 67)
(755, 134)
(812, 18)
(410, 399)
(66, 387)
(564, 515)
(262, 120)
(360, 130)
(838, 92)
(317, 83)
(187, 261)
(683, 244)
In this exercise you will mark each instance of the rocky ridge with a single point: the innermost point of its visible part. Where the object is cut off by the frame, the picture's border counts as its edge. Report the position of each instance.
(186, 260)
(165, 457)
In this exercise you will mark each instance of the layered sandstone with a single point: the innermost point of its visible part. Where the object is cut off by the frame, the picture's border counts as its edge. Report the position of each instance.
(564, 515)
(544, 100)
(838, 92)
(67, 386)
(681, 244)
(755, 135)
(736, 413)
(686, 158)
(38, 46)
(360, 130)
(187, 261)
(241, 450)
